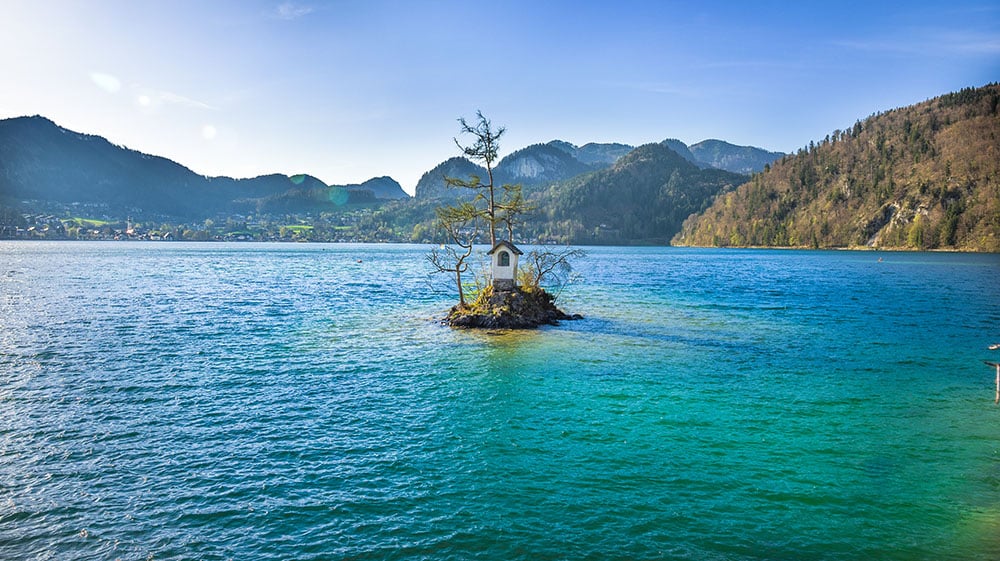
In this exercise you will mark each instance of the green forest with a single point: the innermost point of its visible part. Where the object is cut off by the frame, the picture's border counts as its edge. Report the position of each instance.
(922, 177)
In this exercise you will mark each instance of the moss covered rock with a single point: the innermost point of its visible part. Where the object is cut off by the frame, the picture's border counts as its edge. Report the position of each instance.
(508, 309)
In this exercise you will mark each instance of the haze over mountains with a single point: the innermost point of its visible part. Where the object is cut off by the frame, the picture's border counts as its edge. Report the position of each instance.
(46, 164)
(559, 160)
(40, 161)
(920, 177)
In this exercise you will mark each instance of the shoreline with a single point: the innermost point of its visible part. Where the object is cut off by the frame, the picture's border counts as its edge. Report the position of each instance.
(859, 249)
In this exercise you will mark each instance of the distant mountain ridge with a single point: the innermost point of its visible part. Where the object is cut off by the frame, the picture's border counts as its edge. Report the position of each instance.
(594, 153)
(42, 161)
(532, 166)
(540, 165)
(535, 165)
(642, 198)
(730, 157)
(719, 154)
(432, 183)
(595, 193)
(383, 187)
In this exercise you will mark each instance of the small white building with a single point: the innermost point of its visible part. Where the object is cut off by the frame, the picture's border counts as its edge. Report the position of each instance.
(503, 265)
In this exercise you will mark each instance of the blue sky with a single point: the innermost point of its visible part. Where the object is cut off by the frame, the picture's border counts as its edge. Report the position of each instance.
(349, 90)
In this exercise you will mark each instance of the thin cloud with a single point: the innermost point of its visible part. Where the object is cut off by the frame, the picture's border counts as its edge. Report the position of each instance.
(106, 82)
(657, 88)
(290, 10)
(759, 64)
(153, 98)
(172, 98)
(929, 43)
(666, 89)
(966, 43)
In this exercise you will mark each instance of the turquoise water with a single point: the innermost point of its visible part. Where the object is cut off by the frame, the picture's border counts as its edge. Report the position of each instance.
(212, 401)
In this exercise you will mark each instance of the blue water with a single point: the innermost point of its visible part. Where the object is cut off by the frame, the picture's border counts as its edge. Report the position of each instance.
(299, 401)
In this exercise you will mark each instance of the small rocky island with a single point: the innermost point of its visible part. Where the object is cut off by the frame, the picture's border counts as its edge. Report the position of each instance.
(502, 304)
(505, 305)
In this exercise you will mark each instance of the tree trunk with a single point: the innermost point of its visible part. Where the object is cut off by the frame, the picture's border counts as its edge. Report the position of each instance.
(492, 210)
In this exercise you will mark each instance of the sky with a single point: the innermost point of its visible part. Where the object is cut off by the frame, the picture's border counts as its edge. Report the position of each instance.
(347, 90)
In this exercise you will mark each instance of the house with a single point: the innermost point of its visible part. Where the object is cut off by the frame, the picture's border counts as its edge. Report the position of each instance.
(503, 265)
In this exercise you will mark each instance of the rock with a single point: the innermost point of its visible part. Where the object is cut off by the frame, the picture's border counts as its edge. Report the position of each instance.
(509, 309)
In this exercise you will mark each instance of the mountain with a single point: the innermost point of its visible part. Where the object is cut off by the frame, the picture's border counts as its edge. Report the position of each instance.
(299, 194)
(533, 166)
(43, 162)
(433, 186)
(385, 188)
(719, 154)
(730, 157)
(596, 193)
(594, 154)
(683, 150)
(538, 164)
(642, 198)
(926, 176)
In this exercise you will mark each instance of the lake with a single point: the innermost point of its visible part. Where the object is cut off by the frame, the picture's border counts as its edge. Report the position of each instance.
(301, 401)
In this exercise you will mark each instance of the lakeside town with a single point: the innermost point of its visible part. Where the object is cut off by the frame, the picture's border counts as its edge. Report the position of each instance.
(68, 223)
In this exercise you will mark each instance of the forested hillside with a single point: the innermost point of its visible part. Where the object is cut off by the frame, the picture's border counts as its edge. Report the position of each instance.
(432, 184)
(48, 165)
(925, 176)
(643, 198)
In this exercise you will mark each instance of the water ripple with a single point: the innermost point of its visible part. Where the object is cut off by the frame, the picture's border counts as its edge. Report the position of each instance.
(213, 401)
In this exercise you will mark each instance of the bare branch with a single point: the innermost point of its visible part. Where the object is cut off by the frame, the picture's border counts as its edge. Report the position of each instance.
(461, 224)
(550, 268)
(485, 149)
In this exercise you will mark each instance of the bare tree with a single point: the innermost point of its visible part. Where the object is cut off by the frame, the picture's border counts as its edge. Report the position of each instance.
(506, 209)
(548, 267)
(484, 149)
(461, 224)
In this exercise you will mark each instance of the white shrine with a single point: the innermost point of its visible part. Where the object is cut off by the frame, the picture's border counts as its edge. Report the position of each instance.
(503, 265)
